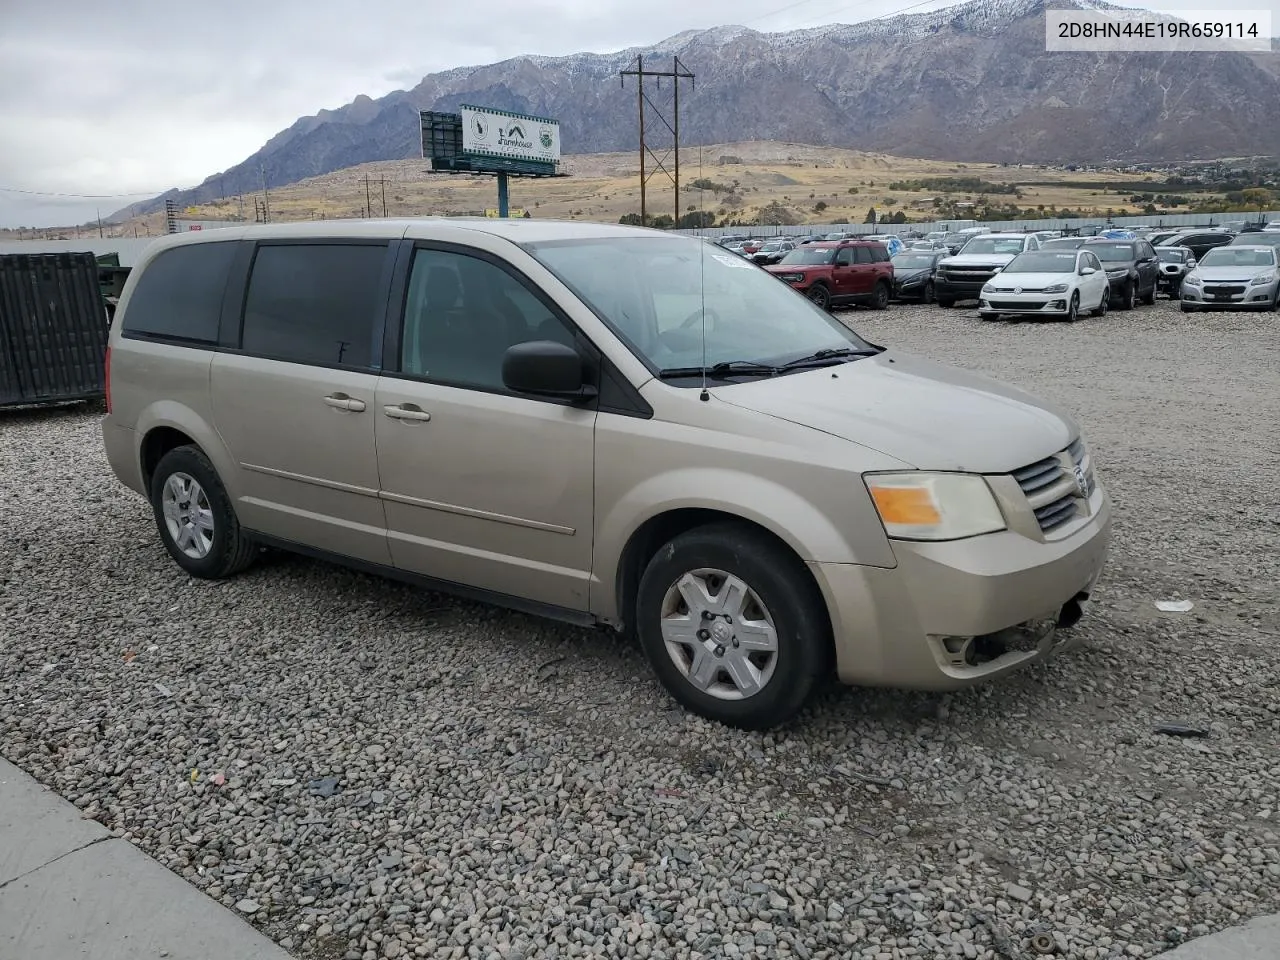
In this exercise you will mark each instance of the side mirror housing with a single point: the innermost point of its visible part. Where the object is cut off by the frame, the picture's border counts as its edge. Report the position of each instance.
(545, 368)
(1088, 271)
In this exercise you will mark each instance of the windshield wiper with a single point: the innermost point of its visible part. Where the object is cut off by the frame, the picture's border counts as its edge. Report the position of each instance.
(826, 356)
(729, 367)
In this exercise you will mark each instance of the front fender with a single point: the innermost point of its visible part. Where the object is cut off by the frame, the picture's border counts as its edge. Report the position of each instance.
(855, 536)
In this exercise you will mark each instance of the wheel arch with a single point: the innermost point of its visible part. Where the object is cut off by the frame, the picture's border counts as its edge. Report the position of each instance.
(167, 425)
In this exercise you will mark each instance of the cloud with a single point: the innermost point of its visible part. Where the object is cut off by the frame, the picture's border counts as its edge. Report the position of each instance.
(144, 95)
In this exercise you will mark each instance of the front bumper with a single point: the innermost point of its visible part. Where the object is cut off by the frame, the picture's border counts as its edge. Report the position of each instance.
(914, 290)
(945, 288)
(1050, 304)
(954, 614)
(1238, 296)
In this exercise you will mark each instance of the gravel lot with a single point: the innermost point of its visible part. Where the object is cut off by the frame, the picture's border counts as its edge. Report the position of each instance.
(507, 787)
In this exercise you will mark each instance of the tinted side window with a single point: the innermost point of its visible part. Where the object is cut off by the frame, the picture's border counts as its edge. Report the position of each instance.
(862, 255)
(315, 303)
(844, 256)
(179, 294)
(462, 313)
(879, 255)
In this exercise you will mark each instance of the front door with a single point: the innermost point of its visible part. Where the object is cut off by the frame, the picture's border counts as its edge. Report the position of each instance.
(295, 403)
(481, 486)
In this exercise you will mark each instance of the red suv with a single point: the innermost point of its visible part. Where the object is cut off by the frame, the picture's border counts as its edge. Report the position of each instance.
(839, 272)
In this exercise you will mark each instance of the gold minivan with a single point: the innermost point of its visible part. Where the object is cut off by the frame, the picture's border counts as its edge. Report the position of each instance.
(611, 426)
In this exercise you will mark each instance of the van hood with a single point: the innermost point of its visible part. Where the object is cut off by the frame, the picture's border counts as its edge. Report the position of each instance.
(927, 414)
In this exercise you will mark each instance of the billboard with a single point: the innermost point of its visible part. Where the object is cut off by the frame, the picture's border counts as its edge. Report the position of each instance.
(496, 133)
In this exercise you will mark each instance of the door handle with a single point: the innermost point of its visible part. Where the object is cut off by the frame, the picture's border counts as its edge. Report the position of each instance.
(340, 401)
(405, 412)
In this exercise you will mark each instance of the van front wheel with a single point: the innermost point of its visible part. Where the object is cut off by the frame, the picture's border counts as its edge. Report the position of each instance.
(733, 625)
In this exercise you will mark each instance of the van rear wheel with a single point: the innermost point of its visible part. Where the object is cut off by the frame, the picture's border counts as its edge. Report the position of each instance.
(193, 512)
(733, 626)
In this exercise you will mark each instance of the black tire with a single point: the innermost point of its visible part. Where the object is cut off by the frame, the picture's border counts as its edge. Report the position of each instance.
(230, 551)
(820, 295)
(1129, 297)
(927, 296)
(1103, 305)
(1150, 298)
(880, 297)
(945, 303)
(988, 315)
(1073, 308)
(783, 586)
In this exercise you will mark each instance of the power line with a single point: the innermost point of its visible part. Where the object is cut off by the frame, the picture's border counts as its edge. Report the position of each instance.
(82, 196)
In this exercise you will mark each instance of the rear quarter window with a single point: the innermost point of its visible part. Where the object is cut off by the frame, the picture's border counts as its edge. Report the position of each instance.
(178, 296)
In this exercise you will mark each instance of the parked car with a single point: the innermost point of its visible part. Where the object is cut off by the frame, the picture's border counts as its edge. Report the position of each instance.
(1063, 243)
(728, 241)
(1175, 263)
(1047, 283)
(913, 273)
(1158, 237)
(1269, 238)
(1236, 277)
(751, 247)
(961, 277)
(1199, 242)
(513, 410)
(771, 251)
(1133, 269)
(954, 241)
(812, 239)
(839, 273)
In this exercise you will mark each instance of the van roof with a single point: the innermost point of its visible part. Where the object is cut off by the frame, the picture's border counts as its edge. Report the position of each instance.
(517, 230)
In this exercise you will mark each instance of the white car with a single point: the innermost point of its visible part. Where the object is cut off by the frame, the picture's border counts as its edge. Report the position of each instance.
(1047, 283)
(1234, 278)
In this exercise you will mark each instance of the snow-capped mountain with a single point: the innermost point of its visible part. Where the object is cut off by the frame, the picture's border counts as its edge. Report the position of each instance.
(968, 82)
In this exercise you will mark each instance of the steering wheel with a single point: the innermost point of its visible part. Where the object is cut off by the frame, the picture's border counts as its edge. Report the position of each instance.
(708, 313)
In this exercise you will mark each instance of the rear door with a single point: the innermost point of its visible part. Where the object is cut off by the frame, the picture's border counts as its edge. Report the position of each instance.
(294, 393)
(1148, 266)
(842, 273)
(483, 487)
(863, 275)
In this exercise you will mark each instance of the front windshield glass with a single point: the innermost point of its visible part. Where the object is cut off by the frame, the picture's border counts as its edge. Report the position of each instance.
(660, 293)
(813, 256)
(1113, 252)
(993, 245)
(1063, 243)
(1171, 256)
(912, 261)
(1239, 257)
(1269, 239)
(772, 246)
(1043, 261)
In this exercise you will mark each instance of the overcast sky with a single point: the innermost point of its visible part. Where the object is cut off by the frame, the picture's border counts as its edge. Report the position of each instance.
(137, 96)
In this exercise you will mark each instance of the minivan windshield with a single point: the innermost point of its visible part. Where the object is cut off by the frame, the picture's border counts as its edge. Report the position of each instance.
(993, 245)
(659, 294)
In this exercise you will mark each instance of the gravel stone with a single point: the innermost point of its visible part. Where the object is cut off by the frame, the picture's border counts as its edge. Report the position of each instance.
(503, 786)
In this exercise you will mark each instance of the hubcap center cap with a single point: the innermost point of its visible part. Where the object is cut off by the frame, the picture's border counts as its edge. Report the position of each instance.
(721, 632)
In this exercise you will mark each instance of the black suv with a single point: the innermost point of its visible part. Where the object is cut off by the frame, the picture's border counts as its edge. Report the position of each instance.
(1133, 269)
(1198, 242)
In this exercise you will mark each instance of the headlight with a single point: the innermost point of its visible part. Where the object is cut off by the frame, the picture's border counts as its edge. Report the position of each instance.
(791, 277)
(1263, 278)
(934, 506)
(1191, 280)
(1121, 272)
(1056, 288)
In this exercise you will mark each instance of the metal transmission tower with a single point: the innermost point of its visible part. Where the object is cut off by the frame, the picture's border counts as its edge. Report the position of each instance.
(677, 73)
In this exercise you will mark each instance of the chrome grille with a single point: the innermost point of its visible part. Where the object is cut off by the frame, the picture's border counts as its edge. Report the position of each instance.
(1050, 486)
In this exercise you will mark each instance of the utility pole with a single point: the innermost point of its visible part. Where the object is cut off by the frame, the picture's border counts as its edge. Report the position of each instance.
(99, 213)
(677, 73)
(266, 197)
(368, 196)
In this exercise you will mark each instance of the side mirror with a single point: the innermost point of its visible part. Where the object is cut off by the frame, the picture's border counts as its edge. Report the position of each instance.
(1088, 271)
(545, 368)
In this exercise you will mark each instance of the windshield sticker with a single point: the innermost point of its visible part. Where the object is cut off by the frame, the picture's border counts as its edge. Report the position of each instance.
(736, 262)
